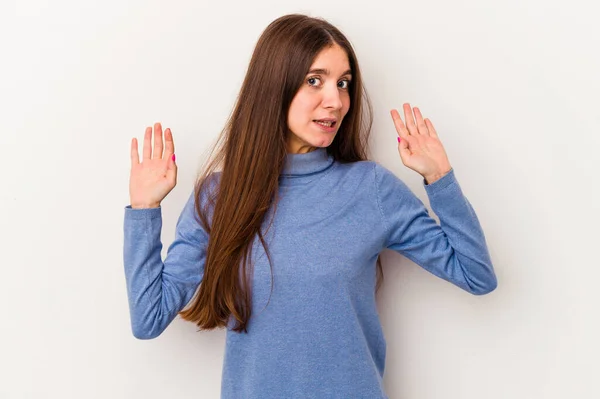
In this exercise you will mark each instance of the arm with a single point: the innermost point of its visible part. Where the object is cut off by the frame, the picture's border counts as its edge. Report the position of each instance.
(456, 251)
(157, 291)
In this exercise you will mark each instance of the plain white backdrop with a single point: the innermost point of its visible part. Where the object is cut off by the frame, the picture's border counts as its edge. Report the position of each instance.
(511, 87)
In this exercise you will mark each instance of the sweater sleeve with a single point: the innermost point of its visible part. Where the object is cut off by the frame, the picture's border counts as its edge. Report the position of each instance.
(157, 291)
(455, 250)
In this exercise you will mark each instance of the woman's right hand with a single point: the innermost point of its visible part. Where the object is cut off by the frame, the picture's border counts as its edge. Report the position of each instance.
(151, 180)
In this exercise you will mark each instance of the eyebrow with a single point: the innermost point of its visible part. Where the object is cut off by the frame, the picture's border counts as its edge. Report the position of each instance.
(326, 72)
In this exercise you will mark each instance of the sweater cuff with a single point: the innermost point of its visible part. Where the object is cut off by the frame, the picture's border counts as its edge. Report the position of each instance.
(440, 184)
(142, 214)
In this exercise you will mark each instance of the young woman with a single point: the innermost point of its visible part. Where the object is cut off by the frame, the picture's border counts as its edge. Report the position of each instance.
(280, 246)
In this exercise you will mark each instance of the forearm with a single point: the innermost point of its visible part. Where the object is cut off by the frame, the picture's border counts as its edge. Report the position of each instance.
(465, 234)
(143, 272)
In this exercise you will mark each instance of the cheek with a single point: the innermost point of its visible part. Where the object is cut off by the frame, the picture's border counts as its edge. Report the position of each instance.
(307, 101)
(300, 108)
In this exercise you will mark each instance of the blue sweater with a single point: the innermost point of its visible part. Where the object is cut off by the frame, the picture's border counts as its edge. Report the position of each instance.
(320, 335)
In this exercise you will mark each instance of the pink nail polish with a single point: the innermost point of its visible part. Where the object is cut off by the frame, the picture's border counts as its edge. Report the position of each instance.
(399, 139)
(173, 157)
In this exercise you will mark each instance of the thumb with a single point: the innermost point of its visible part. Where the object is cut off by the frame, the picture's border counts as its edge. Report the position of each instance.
(403, 148)
(172, 168)
(172, 165)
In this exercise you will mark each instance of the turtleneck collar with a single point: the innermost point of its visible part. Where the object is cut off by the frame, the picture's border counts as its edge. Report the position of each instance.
(297, 165)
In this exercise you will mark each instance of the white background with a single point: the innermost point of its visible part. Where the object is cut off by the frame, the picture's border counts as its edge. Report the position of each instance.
(512, 88)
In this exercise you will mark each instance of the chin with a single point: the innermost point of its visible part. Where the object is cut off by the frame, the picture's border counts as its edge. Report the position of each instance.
(322, 143)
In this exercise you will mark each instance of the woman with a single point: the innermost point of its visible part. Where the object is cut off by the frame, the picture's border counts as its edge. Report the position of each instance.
(281, 245)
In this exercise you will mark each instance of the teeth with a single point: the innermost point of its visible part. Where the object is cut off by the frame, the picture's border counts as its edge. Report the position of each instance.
(328, 124)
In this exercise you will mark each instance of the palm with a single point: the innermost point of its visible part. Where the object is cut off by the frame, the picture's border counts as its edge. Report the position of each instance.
(153, 178)
(425, 151)
(422, 150)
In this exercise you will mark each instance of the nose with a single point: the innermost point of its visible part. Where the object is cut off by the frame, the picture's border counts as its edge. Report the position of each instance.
(331, 97)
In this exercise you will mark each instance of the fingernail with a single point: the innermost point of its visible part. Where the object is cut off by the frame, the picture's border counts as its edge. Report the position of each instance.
(399, 139)
(173, 157)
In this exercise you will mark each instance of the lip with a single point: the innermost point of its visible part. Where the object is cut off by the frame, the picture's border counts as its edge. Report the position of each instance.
(326, 119)
(326, 129)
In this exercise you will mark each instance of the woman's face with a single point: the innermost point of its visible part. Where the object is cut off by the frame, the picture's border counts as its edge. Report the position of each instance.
(319, 106)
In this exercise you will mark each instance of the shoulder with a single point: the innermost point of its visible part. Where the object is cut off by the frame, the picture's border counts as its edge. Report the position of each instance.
(388, 185)
(375, 171)
(369, 169)
(356, 175)
(357, 168)
(206, 187)
(372, 176)
(203, 193)
(368, 166)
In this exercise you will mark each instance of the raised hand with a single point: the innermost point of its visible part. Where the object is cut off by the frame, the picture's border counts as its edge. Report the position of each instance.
(151, 180)
(419, 147)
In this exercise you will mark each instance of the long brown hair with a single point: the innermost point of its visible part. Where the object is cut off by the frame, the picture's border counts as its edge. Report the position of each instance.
(252, 151)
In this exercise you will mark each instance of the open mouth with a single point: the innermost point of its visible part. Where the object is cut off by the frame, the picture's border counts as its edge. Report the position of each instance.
(326, 123)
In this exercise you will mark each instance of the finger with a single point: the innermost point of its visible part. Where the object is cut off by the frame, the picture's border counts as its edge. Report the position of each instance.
(169, 145)
(410, 121)
(135, 157)
(171, 166)
(421, 123)
(431, 129)
(404, 151)
(148, 143)
(158, 142)
(400, 128)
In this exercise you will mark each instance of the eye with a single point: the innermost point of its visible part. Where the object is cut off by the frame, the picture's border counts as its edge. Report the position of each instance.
(312, 79)
(346, 81)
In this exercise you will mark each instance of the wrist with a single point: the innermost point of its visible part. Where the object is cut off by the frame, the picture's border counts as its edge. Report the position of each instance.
(432, 178)
(145, 206)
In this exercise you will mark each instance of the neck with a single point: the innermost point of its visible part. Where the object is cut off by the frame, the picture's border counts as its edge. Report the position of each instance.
(308, 163)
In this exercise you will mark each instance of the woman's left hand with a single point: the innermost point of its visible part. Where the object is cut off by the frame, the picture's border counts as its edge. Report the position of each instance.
(420, 148)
